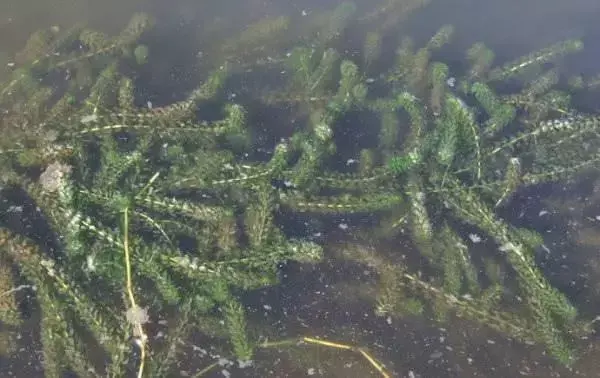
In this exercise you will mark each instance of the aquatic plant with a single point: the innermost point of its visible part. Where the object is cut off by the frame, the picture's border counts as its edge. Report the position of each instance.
(154, 213)
(466, 151)
(113, 184)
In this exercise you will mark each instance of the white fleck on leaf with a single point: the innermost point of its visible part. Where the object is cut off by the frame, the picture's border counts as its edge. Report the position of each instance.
(52, 179)
(137, 315)
(245, 364)
(91, 263)
(89, 118)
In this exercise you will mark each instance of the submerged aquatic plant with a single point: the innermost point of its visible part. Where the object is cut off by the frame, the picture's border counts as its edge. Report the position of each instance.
(125, 219)
(466, 151)
(154, 213)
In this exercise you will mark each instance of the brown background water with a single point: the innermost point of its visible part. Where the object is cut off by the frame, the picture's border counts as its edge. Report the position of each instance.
(319, 301)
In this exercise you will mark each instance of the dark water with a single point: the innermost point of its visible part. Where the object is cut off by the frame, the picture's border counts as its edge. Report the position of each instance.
(319, 301)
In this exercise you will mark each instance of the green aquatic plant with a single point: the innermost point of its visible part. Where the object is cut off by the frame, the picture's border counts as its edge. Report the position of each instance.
(465, 145)
(154, 213)
(144, 217)
(455, 165)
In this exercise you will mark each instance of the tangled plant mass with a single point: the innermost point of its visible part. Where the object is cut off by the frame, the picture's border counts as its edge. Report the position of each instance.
(168, 211)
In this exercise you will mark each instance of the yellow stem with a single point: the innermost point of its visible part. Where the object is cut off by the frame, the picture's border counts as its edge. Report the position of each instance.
(129, 285)
(311, 340)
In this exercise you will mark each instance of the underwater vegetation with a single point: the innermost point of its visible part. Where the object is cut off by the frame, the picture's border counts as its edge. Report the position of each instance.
(127, 215)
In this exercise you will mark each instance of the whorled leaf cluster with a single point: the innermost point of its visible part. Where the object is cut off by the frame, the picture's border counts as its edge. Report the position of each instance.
(451, 151)
(145, 220)
(162, 211)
